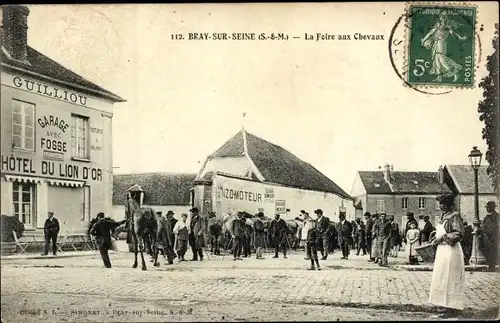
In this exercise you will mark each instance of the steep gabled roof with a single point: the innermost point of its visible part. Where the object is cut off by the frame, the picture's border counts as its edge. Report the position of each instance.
(403, 183)
(159, 188)
(278, 165)
(234, 147)
(463, 178)
(43, 65)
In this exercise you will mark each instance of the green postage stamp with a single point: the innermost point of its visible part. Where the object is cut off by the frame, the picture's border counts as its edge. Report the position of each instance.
(441, 45)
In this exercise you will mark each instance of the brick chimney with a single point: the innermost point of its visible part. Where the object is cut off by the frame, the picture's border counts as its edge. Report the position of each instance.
(441, 174)
(15, 32)
(387, 173)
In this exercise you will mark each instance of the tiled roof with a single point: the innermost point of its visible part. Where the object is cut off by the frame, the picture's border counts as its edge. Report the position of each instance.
(278, 165)
(41, 64)
(403, 183)
(463, 178)
(159, 188)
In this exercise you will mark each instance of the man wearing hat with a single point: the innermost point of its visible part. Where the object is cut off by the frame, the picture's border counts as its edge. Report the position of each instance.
(165, 238)
(489, 235)
(383, 237)
(238, 234)
(215, 232)
(196, 238)
(345, 235)
(102, 231)
(322, 229)
(51, 230)
(303, 232)
(279, 230)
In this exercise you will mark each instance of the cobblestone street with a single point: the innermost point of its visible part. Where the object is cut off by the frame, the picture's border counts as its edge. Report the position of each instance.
(269, 289)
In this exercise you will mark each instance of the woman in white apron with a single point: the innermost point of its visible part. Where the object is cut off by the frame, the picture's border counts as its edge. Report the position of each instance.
(448, 275)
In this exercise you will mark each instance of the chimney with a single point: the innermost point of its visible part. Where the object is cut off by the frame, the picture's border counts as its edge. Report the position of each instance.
(441, 175)
(387, 173)
(15, 32)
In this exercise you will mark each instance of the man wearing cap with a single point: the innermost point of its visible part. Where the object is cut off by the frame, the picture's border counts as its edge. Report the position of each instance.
(102, 231)
(304, 231)
(215, 232)
(368, 231)
(322, 229)
(279, 230)
(489, 235)
(51, 230)
(197, 226)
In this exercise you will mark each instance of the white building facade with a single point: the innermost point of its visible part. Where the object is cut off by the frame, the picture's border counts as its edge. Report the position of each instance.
(56, 143)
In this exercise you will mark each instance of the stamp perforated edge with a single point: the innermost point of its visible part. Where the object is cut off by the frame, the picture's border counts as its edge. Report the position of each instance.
(406, 66)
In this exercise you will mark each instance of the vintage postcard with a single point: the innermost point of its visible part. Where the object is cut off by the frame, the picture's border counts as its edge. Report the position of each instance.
(250, 162)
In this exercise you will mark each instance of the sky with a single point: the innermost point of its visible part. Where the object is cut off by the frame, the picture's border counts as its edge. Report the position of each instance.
(338, 105)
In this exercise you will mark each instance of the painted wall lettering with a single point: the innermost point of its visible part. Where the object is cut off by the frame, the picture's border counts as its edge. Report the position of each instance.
(51, 169)
(53, 121)
(49, 90)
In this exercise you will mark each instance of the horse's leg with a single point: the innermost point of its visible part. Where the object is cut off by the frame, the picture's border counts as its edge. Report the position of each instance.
(141, 248)
(134, 240)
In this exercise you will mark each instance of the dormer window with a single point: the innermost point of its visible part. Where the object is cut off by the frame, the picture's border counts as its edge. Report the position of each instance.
(415, 182)
(377, 185)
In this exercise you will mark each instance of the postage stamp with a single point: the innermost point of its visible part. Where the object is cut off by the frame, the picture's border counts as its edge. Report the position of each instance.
(441, 45)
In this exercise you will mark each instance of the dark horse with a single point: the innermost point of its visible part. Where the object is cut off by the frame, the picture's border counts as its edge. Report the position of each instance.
(143, 226)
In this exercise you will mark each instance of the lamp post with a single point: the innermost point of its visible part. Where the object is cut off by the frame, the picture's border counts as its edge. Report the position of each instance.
(477, 257)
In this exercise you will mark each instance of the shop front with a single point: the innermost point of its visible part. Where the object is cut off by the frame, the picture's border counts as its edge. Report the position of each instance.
(55, 153)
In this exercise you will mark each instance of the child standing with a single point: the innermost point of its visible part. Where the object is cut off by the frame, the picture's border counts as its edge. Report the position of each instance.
(412, 236)
(312, 250)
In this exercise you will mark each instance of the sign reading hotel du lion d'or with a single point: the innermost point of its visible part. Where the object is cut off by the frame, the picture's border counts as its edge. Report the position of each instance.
(53, 150)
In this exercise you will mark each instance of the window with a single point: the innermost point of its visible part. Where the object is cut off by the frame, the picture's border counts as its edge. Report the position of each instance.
(380, 206)
(23, 125)
(23, 197)
(404, 203)
(421, 202)
(80, 137)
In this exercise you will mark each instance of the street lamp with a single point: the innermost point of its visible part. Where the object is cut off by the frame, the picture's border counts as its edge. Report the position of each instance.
(475, 157)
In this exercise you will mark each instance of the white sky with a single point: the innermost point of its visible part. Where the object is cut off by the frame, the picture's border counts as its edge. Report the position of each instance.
(335, 104)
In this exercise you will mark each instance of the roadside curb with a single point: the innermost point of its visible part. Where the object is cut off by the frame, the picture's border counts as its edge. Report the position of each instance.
(481, 268)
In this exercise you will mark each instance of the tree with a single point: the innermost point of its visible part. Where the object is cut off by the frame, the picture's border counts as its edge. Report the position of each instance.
(489, 114)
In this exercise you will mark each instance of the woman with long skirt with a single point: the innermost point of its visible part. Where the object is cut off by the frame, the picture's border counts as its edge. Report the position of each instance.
(448, 276)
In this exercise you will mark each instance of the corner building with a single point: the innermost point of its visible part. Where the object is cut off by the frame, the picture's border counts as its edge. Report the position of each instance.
(56, 143)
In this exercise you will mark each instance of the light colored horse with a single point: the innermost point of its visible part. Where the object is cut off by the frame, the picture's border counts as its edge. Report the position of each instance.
(143, 226)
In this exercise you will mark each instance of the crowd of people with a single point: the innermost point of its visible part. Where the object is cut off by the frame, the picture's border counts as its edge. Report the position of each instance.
(377, 236)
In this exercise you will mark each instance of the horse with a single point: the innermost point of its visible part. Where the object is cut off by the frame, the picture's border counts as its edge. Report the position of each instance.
(143, 228)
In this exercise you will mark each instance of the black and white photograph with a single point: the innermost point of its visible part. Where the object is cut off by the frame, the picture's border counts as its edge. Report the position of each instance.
(263, 162)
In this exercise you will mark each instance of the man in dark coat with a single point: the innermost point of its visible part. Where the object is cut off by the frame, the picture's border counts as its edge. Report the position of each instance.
(196, 235)
(368, 231)
(165, 238)
(259, 239)
(488, 235)
(345, 235)
(238, 230)
(247, 240)
(279, 230)
(466, 243)
(102, 231)
(333, 239)
(373, 234)
(51, 230)
(383, 237)
(215, 232)
(360, 237)
(426, 231)
(322, 230)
